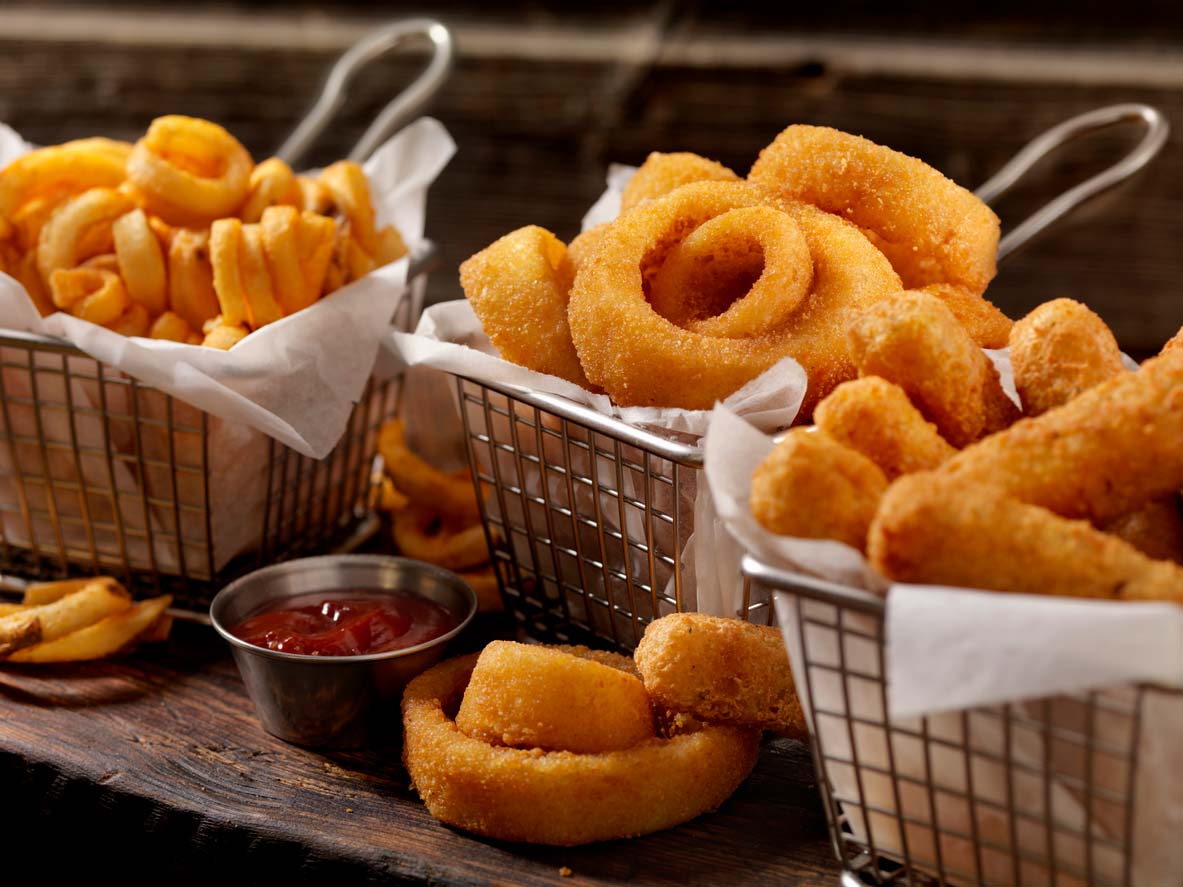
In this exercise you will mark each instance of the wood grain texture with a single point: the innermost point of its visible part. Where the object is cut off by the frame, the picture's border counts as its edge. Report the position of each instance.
(156, 765)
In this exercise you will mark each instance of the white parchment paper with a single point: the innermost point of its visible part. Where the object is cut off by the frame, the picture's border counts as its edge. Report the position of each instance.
(295, 380)
(950, 650)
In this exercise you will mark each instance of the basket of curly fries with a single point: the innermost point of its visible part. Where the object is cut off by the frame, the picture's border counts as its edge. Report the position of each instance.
(586, 371)
(188, 339)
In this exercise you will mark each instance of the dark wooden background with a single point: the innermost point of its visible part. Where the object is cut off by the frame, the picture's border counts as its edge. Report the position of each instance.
(546, 95)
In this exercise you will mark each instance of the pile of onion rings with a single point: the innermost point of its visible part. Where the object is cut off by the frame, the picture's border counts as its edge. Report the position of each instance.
(435, 515)
(181, 236)
(559, 796)
(705, 280)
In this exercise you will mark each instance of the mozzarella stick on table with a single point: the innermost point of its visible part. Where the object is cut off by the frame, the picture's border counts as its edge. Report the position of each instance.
(876, 418)
(933, 530)
(1103, 454)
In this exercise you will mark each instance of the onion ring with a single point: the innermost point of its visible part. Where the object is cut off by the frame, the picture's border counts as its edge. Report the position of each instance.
(255, 278)
(141, 261)
(812, 487)
(722, 671)
(62, 170)
(526, 795)
(553, 698)
(758, 247)
(662, 173)
(278, 227)
(519, 287)
(452, 496)
(932, 229)
(641, 359)
(89, 294)
(59, 242)
(346, 182)
(189, 171)
(171, 326)
(915, 341)
(191, 278)
(271, 183)
(422, 534)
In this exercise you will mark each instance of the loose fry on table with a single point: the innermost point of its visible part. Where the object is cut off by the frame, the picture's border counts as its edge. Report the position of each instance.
(103, 638)
(72, 612)
(18, 630)
(934, 529)
(47, 592)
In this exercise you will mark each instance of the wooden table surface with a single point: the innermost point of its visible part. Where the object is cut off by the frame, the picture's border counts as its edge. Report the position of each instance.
(154, 765)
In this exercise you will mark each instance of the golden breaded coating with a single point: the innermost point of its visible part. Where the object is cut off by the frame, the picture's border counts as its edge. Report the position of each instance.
(518, 287)
(985, 323)
(1173, 343)
(814, 487)
(931, 529)
(555, 698)
(1155, 529)
(662, 173)
(932, 229)
(913, 340)
(1103, 454)
(876, 418)
(721, 670)
(1059, 350)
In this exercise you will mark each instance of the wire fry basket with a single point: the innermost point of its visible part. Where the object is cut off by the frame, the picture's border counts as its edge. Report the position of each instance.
(589, 517)
(100, 473)
(1043, 791)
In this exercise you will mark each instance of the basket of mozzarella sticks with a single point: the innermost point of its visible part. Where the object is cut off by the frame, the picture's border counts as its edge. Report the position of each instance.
(975, 563)
(585, 373)
(191, 370)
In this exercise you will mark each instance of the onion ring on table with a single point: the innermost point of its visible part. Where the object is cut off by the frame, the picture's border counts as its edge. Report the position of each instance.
(1059, 350)
(90, 294)
(271, 183)
(556, 699)
(191, 277)
(62, 170)
(141, 261)
(519, 287)
(932, 229)
(59, 244)
(452, 496)
(759, 248)
(421, 533)
(875, 417)
(662, 173)
(813, 487)
(560, 798)
(914, 340)
(279, 228)
(135, 321)
(170, 326)
(346, 182)
(641, 359)
(255, 278)
(315, 238)
(721, 671)
(933, 529)
(225, 241)
(189, 171)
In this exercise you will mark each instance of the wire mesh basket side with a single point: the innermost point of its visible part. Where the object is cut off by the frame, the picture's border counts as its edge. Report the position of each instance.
(587, 525)
(1035, 792)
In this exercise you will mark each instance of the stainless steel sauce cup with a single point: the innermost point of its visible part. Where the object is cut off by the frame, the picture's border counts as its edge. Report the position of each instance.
(334, 701)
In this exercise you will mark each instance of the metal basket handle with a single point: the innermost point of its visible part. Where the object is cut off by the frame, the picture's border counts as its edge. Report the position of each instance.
(1157, 130)
(400, 109)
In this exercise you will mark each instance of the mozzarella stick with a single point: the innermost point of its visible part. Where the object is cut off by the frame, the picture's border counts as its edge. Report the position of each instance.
(933, 530)
(876, 418)
(1103, 454)
(813, 487)
(915, 341)
(1059, 350)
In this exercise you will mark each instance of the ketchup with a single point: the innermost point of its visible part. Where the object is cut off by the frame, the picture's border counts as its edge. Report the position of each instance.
(346, 623)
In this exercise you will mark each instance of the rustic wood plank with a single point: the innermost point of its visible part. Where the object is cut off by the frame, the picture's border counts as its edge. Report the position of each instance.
(159, 761)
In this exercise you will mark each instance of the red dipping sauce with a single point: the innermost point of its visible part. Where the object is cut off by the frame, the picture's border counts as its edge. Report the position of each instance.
(346, 623)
